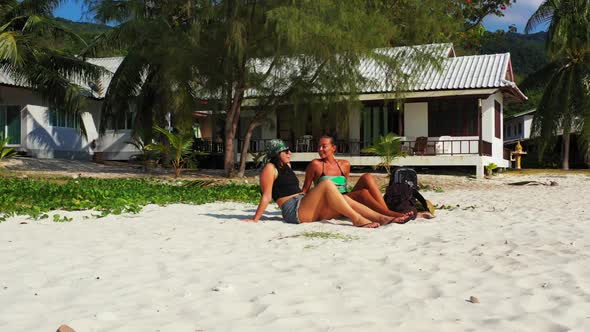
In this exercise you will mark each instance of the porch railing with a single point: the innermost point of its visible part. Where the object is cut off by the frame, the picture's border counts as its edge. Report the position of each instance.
(208, 145)
(355, 147)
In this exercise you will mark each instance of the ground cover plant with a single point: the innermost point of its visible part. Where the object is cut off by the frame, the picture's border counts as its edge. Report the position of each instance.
(34, 197)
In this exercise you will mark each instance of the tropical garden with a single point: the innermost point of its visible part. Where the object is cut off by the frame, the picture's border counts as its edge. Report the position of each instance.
(178, 53)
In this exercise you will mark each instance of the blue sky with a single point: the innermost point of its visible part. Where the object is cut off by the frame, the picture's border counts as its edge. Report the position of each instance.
(518, 14)
(72, 10)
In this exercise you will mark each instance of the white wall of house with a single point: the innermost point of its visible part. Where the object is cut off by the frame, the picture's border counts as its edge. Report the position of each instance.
(488, 128)
(415, 120)
(42, 140)
(511, 127)
(528, 125)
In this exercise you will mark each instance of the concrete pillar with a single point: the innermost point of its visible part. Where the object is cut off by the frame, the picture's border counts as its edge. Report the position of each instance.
(479, 170)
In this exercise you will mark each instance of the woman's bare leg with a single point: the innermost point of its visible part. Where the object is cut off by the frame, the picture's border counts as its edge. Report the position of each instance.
(367, 181)
(373, 215)
(364, 197)
(325, 202)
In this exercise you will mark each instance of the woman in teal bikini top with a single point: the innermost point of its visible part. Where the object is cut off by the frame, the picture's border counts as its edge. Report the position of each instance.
(339, 180)
(366, 191)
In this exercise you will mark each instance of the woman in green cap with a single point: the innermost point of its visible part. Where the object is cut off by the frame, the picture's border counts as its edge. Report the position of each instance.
(329, 169)
(278, 182)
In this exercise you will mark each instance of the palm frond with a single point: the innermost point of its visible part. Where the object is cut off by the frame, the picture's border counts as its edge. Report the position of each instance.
(542, 15)
(9, 50)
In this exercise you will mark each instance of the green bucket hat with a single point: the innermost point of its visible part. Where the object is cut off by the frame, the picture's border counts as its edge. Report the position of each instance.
(274, 147)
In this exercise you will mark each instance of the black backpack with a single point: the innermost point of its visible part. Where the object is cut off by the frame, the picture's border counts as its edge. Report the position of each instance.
(402, 191)
(399, 197)
(404, 175)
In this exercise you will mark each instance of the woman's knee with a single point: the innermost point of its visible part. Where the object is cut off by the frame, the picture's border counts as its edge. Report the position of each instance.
(327, 185)
(367, 178)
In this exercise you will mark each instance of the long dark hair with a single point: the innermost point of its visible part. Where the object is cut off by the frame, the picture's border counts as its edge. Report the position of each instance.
(277, 162)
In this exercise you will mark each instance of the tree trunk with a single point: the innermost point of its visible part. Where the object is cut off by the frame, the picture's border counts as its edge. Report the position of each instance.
(231, 125)
(244, 153)
(565, 163)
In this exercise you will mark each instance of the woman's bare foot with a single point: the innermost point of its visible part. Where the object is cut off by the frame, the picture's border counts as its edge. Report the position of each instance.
(370, 225)
(426, 215)
(401, 220)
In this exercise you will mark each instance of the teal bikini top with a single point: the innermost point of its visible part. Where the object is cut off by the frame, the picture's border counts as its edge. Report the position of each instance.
(339, 180)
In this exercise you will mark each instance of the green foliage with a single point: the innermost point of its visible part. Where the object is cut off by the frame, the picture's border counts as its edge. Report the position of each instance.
(178, 147)
(29, 54)
(322, 235)
(86, 32)
(109, 196)
(58, 218)
(564, 106)
(257, 158)
(489, 168)
(6, 152)
(527, 52)
(387, 147)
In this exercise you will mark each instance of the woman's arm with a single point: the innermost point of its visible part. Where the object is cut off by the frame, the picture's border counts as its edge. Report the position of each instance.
(345, 167)
(267, 177)
(310, 173)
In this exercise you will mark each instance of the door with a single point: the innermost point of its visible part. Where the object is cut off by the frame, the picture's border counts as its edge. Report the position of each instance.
(10, 123)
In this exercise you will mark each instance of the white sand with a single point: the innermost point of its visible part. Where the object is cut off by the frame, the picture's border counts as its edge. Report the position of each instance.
(524, 252)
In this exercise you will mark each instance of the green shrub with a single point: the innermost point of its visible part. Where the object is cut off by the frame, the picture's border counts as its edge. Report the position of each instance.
(32, 197)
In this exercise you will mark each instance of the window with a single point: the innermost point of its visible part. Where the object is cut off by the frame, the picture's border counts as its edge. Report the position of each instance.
(509, 131)
(61, 118)
(452, 117)
(520, 128)
(121, 122)
(497, 119)
(378, 119)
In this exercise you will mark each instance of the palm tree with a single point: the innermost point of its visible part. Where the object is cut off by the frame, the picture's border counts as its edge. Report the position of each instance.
(387, 147)
(566, 95)
(178, 148)
(155, 77)
(26, 53)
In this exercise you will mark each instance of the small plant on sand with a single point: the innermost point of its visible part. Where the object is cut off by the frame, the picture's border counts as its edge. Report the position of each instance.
(387, 147)
(490, 169)
(144, 153)
(6, 152)
(322, 235)
(178, 148)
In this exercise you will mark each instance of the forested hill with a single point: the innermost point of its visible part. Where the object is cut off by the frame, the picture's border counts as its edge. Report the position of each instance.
(87, 31)
(526, 51)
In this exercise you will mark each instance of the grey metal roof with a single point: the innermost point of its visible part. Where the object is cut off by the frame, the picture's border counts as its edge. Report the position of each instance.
(421, 68)
(110, 64)
(453, 73)
(516, 115)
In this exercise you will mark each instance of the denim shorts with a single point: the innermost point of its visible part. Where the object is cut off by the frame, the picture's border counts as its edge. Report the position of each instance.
(290, 209)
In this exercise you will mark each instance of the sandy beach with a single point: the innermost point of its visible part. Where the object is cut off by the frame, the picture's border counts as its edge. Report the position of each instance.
(520, 253)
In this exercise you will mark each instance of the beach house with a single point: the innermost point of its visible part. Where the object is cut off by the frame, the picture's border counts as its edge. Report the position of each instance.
(450, 114)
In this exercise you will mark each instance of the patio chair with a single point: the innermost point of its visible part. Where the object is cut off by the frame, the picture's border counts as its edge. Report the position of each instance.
(304, 143)
(420, 145)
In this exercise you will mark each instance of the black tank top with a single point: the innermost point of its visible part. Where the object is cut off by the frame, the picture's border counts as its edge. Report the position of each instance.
(286, 183)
